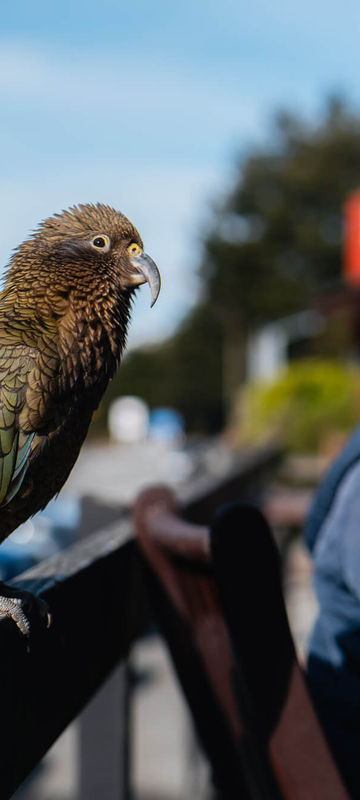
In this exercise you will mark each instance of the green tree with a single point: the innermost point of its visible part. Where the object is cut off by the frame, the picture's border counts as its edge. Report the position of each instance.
(184, 372)
(273, 244)
(276, 240)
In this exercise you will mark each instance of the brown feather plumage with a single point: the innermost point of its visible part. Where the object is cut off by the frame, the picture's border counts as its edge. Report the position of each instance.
(63, 318)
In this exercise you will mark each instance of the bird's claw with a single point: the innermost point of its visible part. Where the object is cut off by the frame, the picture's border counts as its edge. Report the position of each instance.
(22, 607)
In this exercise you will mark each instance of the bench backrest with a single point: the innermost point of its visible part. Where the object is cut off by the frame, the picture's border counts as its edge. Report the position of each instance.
(217, 596)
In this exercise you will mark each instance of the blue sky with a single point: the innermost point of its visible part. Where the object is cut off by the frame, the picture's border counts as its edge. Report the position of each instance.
(146, 106)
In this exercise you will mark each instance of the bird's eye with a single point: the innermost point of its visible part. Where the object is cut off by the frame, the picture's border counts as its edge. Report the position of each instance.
(134, 249)
(101, 243)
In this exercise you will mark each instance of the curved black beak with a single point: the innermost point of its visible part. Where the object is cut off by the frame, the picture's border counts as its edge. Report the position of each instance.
(146, 271)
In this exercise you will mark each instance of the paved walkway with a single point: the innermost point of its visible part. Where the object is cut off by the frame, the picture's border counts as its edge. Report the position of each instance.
(116, 473)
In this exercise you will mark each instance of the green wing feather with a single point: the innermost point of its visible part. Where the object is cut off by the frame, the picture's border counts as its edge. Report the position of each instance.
(14, 444)
(22, 349)
(21, 464)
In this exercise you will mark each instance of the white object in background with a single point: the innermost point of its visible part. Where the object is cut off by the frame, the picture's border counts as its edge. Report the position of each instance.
(128, 419)
(267, 349)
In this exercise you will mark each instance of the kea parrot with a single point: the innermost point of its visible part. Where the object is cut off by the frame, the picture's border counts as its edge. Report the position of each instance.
(64, 312)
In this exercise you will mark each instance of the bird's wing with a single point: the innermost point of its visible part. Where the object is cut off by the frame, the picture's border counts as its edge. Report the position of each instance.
(28, 364)
(15, 364)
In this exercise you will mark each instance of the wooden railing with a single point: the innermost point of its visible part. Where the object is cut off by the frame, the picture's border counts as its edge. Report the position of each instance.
(99, 605)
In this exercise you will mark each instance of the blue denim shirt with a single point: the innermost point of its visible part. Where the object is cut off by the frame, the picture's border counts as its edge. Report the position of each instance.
(336, 557)
(332, 533)
(329, 486)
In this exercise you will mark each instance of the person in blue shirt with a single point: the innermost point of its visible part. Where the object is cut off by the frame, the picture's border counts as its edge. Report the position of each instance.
(332, 534)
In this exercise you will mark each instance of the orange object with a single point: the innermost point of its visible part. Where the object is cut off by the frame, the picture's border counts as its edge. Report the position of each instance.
(351, 241)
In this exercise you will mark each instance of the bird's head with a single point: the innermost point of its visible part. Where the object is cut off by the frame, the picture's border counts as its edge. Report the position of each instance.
(88, 247)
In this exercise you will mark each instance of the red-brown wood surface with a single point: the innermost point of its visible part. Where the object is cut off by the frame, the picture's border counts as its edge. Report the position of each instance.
(218, 597)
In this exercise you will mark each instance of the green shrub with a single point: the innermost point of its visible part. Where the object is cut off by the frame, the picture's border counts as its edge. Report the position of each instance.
(304, 405)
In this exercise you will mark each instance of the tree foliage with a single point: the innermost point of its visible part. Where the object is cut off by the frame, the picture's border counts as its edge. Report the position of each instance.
(184, 373)
(303, 406)
(277, 238)
(273, 244)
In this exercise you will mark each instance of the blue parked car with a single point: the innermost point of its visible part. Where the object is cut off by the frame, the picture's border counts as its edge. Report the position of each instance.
(166, 425)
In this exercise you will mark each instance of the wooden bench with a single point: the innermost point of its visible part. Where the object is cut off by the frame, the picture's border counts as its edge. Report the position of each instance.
(216, 593)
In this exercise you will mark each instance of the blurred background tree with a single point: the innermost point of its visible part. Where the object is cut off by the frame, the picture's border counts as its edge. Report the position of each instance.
(276, 242)
(308, 404)
(184, 372)
(273, 244)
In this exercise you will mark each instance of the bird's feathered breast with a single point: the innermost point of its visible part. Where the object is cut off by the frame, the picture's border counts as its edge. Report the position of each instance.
(57, 354)
(63, 320)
